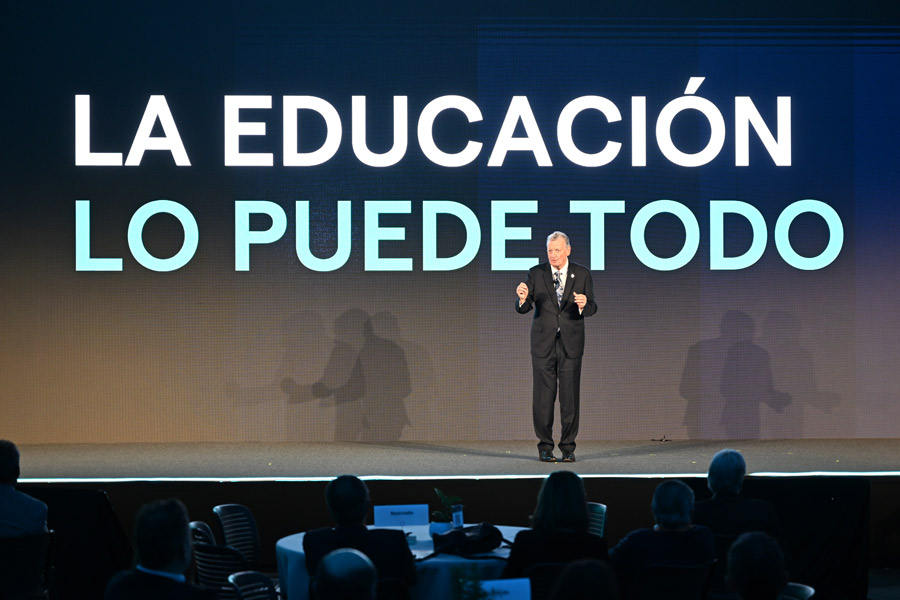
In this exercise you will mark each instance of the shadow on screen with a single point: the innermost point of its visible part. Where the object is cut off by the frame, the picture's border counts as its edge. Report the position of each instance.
(793, 371)
(726, 380)
(366, 379)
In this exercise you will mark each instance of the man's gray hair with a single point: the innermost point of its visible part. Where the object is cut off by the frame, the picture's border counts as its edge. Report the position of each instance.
(673, 503)
(556, 235)
(346, 573)
(726, 472)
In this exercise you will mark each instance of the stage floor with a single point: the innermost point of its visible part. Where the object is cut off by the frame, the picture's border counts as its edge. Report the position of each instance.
(273, 461)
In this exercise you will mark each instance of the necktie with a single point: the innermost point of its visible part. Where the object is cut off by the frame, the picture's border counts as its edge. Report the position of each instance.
(557, 283)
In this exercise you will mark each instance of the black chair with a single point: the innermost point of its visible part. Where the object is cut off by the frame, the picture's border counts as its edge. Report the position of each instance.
(201, 533)
(543, 578)
(392, 588)
(252, 585)
(25, 567)
(386, 588)
(796, 591)
(672, 582)
(717, 585)
(215, 564)
(239, 530)
(596, 518)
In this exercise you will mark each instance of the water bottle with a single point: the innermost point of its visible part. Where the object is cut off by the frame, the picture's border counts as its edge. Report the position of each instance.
(457, 512)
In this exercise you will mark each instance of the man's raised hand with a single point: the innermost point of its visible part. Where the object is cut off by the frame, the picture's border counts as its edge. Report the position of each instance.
(522, 292)
(580, 299)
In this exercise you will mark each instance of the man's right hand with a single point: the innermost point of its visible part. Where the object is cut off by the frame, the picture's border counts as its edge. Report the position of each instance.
(522, 292)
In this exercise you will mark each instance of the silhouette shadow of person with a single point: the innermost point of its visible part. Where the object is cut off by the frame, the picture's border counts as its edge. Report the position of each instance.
(793, 369)
(386, 374)
(724, 381)
(366, 379)
(746, 384)
(702, 377)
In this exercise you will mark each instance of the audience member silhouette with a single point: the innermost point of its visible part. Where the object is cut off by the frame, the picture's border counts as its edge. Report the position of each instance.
(345, 574)
(163, 540)
(756, 567)
(559, 532)
(20, 514)
(586, 579)
(674, 540)
(728, 513)
(347, 498)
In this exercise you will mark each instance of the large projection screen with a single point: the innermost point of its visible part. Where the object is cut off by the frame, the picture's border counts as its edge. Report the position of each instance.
(227, 223)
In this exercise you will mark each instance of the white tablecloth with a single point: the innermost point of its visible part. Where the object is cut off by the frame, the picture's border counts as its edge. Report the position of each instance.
(434, 577)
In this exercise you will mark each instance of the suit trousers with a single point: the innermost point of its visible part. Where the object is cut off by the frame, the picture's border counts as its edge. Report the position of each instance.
(551, 372)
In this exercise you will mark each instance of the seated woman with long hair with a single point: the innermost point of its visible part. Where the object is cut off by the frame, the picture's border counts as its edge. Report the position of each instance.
(559, 528)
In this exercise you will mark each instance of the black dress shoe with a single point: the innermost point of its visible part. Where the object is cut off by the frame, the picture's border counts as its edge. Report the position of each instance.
(568, 457)
(546, 456)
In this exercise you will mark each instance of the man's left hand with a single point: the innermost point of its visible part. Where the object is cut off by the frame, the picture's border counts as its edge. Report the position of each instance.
(580, 300)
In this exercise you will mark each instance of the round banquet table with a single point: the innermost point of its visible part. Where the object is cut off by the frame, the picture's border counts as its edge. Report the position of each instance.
(434, 577)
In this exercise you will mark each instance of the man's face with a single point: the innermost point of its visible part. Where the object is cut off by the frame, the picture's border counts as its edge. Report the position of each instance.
(558, 252)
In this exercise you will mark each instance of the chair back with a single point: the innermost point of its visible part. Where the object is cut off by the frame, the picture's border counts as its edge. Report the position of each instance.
(252, 585)
(673, 582)
(596, 518)
(543, 578)
(796, 591)
(720, 568)
(215, 564)
(392, 588)
(25, 569)
(239, 530)
(201, 533)
(386, 588)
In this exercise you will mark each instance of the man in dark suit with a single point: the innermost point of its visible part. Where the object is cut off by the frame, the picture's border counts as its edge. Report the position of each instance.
(673, 541)
(20, 514)
(163, 540)
(562, 295)
(348, 503)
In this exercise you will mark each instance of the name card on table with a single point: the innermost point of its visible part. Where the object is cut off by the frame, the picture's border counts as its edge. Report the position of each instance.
(401, 515)
(507, 589)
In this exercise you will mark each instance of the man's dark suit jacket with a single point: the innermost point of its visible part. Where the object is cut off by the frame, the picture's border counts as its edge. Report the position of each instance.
(730, 514)
(548, 316)
(386, 548)
(533, 546)
(643, 548)
(137, 585)
(20, 514)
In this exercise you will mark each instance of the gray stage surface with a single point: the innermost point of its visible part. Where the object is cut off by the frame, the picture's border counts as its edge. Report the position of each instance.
(226, 461)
